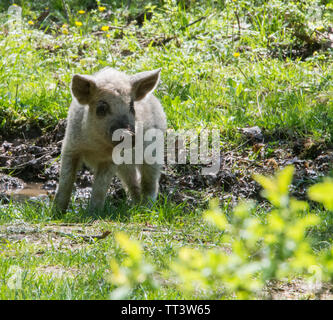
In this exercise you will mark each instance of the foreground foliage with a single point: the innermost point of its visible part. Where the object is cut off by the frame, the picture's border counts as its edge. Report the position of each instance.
(257, 251)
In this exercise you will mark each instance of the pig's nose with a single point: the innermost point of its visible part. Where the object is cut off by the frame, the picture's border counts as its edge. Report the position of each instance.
(131, 128)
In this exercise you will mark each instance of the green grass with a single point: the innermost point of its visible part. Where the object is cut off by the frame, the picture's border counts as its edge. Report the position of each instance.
(204, 84)
(64, 266)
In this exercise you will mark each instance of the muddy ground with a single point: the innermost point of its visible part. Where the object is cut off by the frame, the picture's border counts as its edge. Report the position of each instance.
(30, 167)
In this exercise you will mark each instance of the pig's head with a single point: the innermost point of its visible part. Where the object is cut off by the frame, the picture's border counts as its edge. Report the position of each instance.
(111, 97)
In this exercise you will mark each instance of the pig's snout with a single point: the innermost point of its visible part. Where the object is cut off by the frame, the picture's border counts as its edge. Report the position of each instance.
(120, 129)
(122, 123)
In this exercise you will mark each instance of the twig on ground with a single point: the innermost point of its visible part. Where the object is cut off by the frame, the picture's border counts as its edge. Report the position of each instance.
(196, 21)
(87, 238)
(238, 22)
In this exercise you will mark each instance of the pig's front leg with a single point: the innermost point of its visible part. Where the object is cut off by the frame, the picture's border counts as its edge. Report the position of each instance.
(102, 178)
(69, 166)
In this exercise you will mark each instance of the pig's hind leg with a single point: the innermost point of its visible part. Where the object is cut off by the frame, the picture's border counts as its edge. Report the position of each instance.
(150, 176)
(129, 176)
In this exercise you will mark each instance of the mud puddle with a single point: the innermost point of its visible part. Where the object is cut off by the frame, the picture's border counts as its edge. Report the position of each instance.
(30, 190)
(16, 190)
(33, 166)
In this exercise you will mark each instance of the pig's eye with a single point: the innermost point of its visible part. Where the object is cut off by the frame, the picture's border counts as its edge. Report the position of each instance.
(102, 109)
(132, 110)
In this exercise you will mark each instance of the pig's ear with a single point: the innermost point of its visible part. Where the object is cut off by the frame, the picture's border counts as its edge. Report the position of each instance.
(83, 87)
(144, 82)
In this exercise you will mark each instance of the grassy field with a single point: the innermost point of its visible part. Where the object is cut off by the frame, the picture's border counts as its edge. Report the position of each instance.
(225, 64)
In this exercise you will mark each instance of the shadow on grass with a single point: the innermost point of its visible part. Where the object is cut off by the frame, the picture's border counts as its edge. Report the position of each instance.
(163, 210)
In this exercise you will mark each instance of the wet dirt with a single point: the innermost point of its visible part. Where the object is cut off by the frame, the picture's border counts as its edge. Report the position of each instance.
(30, 168)
(30, 190)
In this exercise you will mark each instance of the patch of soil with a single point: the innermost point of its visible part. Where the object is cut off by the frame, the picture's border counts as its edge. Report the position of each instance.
(58, 236)
(58, 271)
(140, 17)
(37, 159)
(8, 183)
(304, 46)
(298, 289)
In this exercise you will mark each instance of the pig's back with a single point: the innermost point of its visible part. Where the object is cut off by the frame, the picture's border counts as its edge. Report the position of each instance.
(149, 111)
